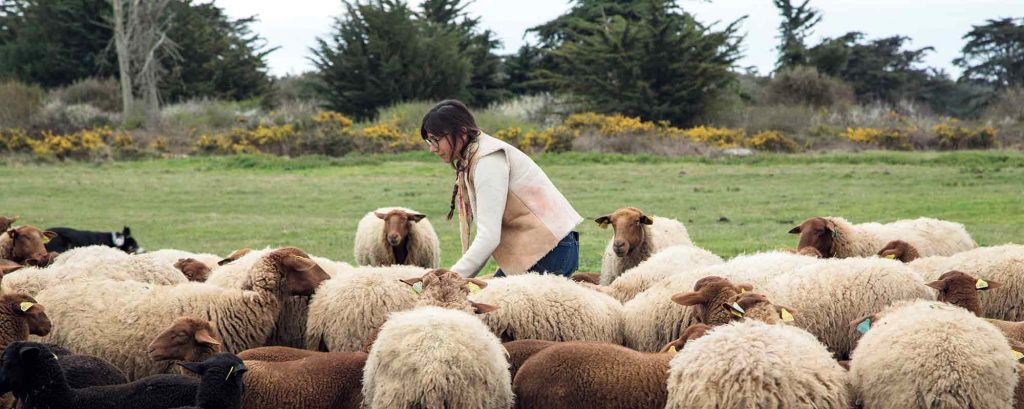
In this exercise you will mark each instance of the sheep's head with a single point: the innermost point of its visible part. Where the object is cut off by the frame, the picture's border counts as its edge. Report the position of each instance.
(235, 255)
(628, 224)
(961, 289)
(8, 266)
(28, 245)
(899, 250)
(187, 339)
(591, 278)
(756, 306)
(20, 362)
(302, 275)
(224, 372)
(707, 298)
(689, 334)
(7, 222)
(397, 224)
(817, 232)
(24, 307)
(447, 289)
(194, 269)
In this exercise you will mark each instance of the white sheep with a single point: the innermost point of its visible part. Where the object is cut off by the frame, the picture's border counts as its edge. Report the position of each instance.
(345, 310)
(90, 255)
(434, 357)
(751, 364)
(549, 307)
(668, 262)
(928, 354)
(837, 237)
(396, 235)
(32, 280)
(116, 320)
(171, 256)
(636, 238)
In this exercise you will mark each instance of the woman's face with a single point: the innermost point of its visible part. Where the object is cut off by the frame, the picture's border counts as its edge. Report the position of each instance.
(440, 146)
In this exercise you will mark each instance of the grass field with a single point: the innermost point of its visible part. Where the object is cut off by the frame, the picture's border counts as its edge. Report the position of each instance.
(729, 206)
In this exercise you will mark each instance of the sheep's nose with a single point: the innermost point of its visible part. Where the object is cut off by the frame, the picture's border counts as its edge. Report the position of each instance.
(394, 239)
(36, 261)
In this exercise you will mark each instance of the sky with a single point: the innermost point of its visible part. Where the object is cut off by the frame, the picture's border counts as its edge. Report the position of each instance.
(294, 25)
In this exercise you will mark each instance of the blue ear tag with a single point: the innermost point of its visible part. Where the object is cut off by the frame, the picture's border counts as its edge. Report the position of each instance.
(417, 288)
(864, 326)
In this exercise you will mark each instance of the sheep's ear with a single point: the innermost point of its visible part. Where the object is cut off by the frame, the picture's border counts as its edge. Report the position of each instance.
(603, 221)
(863, 324)
(990, 285)
(744, 287)
(380, 215)
(673, 346)
(195, 367)
(29, 352)
(795, 230)
(938, 285)
(482, 308)
(126, 231)
(8, 266)
(690, 298)
(479, 283)
(203, 336)
(301, 263)
(644, 219)
(412, 281)
(415, 217)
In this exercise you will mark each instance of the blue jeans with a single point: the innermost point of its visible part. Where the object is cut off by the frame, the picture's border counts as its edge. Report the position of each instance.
(563, 260)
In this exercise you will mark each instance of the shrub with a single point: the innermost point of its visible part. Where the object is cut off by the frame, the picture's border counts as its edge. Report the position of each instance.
(719, 137)
(805, 86)
(953, 136)
(773, 141)
(887, 138)
(104, 94)
(20, 104)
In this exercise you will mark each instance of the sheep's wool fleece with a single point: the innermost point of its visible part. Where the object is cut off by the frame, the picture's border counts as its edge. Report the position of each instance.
(931, 237)
(89, 255)
(346, 309)
(751, 364)
(1003, 264)
(830, 294)
(549, 307)
(171, 256)
(371, 248)
(928, 354)
(32, 280)
(666, 263)
(652, 319)
(661, 234)
(433, 357)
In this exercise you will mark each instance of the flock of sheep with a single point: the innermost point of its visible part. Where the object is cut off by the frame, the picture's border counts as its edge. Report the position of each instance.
(910, 314)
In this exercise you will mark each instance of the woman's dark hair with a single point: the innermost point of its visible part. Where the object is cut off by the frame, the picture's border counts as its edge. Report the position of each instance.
(446, 120)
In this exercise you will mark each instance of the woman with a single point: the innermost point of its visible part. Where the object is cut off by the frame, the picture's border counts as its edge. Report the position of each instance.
(522, 220)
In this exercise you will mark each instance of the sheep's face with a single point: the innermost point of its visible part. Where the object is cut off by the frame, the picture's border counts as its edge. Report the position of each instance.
(193, 269)
(899, 250)
(25, 307)
(961, 289)
(397, 224)
(301, 274)
(187, 339)
(21, 361)
(444, 288)
(29, 245)
(816, 232)
(224, 372)
(689, 334)
(7, 222)
(628, 224)
(757, 307)
(235, 255)
(709, 295)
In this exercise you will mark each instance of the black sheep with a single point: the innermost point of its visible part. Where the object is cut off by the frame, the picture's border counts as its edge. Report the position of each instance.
(31, 371)
(221, 385)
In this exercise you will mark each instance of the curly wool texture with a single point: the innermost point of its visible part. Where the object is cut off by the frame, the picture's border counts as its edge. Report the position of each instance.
(928, 354)
(372, 248)
(652, 319)
(666, 263)
(345, 310)
(828, 295)
(89, 255)
(116, 320)
(32, 280)
(549, 307)
(662, 234)
(1004, 264)
(751, 364)
(432, 357)
(931, 237)
(171, 256)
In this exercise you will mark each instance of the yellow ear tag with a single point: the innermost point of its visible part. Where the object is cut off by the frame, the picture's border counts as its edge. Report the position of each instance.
(981, 284)
(672, 349)
(891, 256)
(742, 290)
(473, 288)
(46, 239)
(1017, 355)
(25, 305)
(736, 310)
(786, 316)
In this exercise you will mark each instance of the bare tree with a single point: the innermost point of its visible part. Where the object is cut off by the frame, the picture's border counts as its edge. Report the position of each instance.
(140, 36)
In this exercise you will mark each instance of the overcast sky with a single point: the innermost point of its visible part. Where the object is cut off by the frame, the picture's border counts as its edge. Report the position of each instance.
(293, 25)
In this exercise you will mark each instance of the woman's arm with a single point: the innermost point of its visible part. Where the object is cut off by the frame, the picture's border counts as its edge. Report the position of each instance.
(491, 184)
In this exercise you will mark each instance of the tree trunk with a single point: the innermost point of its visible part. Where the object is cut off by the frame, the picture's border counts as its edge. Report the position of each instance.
(123, 60)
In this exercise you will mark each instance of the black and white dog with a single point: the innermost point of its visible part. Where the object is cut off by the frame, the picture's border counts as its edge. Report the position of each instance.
(68, 238)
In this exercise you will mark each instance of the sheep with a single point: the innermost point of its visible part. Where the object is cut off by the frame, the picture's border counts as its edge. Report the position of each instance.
(447, 289)
(25, 245)
(345, 310)
(520, 351)
(33, 280)
(955, 360)
(8, 266)
(691, 333)
(171, 257)
(754, 364)
(668, 262)
(549, 307)
(114, 320)
(31, 371)
(652, 319)
(7, 222)
(193, 269)
(963, 290)
(235, 255)
(221, 385)
(584, 277)
(435, 357)
(837, 237)
(187, 339)
(899, 250)
(90, 255)
(709, 299)
(836, 291)
(395, 235)
(637, 237)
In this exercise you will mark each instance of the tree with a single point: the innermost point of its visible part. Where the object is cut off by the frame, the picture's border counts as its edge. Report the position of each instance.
(485, 83)
(994, 53)
(521, 69)
(878, 70)
(643, 58)
(796, 25)
(380, 54)
(140, 36)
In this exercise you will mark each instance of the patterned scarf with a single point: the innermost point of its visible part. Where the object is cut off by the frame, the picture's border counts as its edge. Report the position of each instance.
(462, 196)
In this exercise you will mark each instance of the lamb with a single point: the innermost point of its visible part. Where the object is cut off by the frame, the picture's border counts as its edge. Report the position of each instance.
(25, 245)
(33, 280)
(956, 360)
(652, 319)
(550, 307)
(31, 371)
(345, 310)
(637, 237)
(395, 235)
(668, 262)
(221, 384)
(114, 320)
(754, 364)
(837, 237)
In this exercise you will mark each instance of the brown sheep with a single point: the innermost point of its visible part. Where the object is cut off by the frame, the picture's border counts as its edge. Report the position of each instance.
(8, 266)
(26, 245)
(708, 297)
(961, 289)
(187, 339)
(235, 255)
(899, 250)
(689, 334)
(521, 350)
(590, 278)
(194, 269)
(7, 222)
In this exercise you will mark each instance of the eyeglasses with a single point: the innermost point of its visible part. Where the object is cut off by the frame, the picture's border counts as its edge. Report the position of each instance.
(433, 140)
